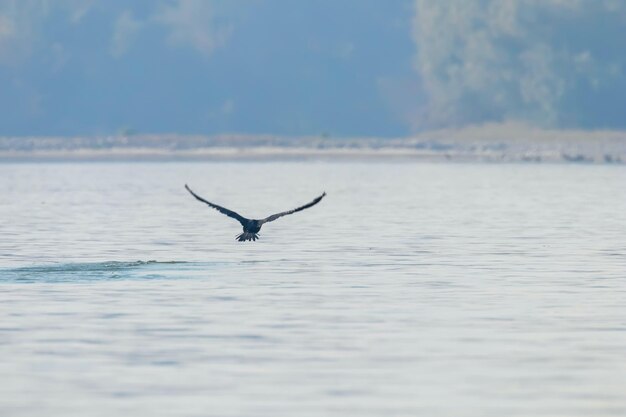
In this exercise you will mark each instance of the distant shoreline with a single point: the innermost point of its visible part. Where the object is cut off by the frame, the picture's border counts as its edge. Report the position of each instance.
(298, 154)
(485, 144)
(235, 154)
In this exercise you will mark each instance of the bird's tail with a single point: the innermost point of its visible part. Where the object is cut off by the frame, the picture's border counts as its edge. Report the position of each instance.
(247, 236)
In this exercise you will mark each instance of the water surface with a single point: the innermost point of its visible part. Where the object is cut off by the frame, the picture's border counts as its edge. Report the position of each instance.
(412, 289)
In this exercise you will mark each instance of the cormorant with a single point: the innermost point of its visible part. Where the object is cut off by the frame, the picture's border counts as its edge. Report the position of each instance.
(252, 226)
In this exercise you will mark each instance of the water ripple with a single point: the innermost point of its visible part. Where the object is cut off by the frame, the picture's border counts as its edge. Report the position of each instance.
(101, 271)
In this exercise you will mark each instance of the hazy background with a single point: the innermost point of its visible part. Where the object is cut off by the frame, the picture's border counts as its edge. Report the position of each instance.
(309, 67)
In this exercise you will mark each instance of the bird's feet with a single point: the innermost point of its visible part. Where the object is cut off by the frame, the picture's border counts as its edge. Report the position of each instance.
(247, 236)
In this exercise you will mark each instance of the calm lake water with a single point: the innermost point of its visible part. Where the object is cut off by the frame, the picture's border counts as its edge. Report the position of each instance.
(412, 289)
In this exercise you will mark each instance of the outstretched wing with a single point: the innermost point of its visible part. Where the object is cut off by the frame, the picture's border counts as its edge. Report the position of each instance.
(221, 209)
(284, 213)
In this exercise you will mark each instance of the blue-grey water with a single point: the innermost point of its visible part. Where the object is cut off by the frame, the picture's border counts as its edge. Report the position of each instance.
(412, 289)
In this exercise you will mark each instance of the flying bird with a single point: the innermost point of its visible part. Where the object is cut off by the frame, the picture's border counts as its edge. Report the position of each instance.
(251, 227)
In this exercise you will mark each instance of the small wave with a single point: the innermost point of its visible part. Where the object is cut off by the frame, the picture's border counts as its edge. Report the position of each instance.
(110, 270)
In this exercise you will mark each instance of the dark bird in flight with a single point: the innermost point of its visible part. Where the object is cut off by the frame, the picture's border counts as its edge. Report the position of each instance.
(252, 226)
